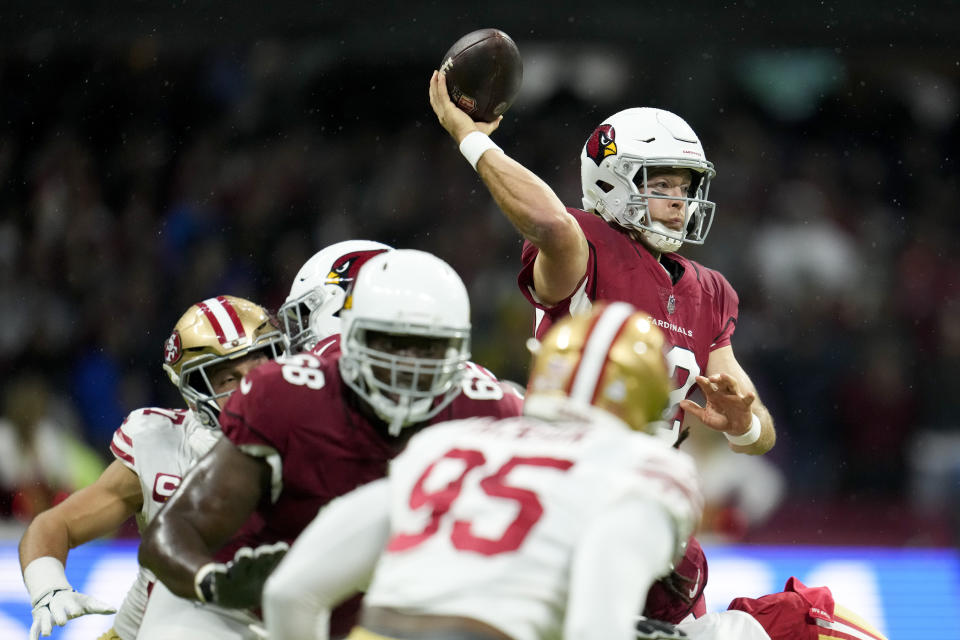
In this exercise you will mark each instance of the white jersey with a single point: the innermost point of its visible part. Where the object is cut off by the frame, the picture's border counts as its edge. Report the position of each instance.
(160, 446)
(485, 515)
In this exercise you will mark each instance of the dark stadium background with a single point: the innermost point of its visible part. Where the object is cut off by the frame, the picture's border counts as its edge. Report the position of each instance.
(154, 154)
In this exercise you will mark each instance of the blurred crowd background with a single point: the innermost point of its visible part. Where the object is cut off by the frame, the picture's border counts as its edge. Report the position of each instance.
(153, 156)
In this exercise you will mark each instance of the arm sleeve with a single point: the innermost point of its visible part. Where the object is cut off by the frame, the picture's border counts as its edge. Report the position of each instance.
(578, 300)
(728, 309)
(586, 287)
(266, 415)
(134, 426)
(332, 559)
(245, 420)
(525, 278)
(240, 423)
(122, 448)
(140, 423)
(618, 558)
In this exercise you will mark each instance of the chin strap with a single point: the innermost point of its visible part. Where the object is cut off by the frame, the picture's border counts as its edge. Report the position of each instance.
(399, 417)
(659, 241)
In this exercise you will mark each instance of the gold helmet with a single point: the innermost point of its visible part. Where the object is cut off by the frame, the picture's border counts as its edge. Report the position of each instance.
(611, 358)
(213, 331)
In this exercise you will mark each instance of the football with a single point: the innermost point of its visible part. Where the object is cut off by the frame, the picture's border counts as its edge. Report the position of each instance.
(484, 72)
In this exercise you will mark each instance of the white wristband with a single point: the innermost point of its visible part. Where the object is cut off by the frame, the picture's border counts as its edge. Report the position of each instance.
(748, 438)
(43, 575)
(474, 145)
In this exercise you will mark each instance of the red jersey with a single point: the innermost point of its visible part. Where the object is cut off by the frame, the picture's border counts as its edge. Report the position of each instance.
(800, 612)
(300, 408)
(697, 314)
(328, 447)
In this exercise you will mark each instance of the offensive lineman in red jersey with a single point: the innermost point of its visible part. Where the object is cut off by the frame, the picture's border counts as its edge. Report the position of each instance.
(309, 429)
(645, 183)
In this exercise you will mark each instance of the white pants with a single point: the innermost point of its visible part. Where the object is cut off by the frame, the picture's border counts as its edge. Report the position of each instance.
(723, 625)
(169, 617)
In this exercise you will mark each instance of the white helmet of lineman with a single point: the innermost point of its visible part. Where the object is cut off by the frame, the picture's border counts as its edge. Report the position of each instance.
(406, 336)
(613, 174)
(311, 312)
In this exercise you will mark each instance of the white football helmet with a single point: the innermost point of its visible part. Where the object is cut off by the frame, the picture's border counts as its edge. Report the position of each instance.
(406, 336)
(312, 310)
(613, 174)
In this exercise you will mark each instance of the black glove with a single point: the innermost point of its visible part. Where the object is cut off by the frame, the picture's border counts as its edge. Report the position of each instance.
(238, 584)
(648, 629)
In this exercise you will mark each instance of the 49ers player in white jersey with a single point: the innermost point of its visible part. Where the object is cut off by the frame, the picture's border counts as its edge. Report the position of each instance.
(211, 348)
(550, 525)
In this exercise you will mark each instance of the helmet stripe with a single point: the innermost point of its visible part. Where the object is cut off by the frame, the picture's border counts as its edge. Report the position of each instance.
(606, 359)
(576, 371)
(234, 316)
(120, 453)
(600, 339)
(227, 327)
(212, 319)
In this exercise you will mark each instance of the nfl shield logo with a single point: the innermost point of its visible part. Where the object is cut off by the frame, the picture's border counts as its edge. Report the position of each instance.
(671, 304)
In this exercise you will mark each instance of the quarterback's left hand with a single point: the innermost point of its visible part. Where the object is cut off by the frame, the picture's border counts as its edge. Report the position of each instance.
(238, 584)
(727, 409)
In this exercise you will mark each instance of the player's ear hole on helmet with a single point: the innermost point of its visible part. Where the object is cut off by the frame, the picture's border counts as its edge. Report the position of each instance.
(605, 186)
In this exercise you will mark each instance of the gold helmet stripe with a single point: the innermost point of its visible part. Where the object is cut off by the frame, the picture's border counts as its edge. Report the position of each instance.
(223, 318)
(599, 341)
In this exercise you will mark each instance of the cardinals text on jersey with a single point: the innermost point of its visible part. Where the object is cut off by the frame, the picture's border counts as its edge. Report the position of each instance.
(698, 314)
